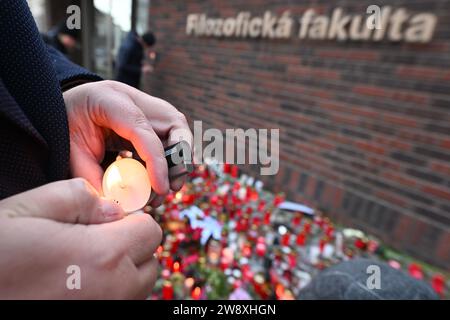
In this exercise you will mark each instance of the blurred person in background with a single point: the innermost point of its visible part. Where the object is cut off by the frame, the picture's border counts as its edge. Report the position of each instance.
(130, 62)
(62, 38)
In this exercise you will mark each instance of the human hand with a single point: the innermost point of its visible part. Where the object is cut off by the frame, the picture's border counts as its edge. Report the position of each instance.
(47, 229)
(109, 114)
(146, 68)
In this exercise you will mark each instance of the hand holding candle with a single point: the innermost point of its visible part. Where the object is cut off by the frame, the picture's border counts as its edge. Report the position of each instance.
(106, 116)
(126, 180)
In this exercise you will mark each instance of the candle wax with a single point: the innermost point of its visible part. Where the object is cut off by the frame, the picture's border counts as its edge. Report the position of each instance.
(126, 182)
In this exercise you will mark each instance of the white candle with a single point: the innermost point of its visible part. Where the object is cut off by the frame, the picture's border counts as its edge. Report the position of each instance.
(126, 182)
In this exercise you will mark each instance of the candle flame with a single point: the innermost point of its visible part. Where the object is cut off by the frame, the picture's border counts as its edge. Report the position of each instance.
(189, 282)
(178, 195)
(279, 291)
(196, 293)
(114, 178)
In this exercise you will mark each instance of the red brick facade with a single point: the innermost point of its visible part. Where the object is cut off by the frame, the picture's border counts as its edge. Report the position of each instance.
(364, 126)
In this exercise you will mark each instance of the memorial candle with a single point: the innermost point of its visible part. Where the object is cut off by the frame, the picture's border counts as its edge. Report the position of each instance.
(189, 283)
(261, 247)
(297, 219)
(167, 291)
(279, 291)
(176, 267)
(234, 171)
(196, 293)
(267, 218)
(169, 262)
(415, 271)
(286, 239)
(126, 182)
(438, 284)
(307, 228)
(322, 244)
(301, 239)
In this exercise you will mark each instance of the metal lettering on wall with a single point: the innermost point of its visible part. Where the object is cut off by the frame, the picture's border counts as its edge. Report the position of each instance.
(386, 23)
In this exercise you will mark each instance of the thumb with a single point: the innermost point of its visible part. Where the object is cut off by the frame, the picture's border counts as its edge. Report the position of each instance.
(83, 164)
(70, 201)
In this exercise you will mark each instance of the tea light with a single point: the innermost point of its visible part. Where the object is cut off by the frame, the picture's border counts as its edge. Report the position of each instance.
(196, 293)
(126, 181)
(176, 267)
(189, 283)
(167, 290)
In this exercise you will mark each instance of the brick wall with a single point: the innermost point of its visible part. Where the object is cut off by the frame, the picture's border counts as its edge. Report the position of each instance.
(364, 127)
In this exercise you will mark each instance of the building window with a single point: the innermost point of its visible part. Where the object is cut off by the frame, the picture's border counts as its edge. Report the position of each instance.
(112, 21)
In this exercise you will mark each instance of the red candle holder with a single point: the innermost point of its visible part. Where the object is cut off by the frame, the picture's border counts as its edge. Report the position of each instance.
(279, 291)
(261, 249)
(285, 240)
(267, 216)
(261, 205)
(438, 284)
(234, 171)
(301, 239)
(415, 271)
(167, 290)
(196, 293)
(297, 220)
(176, 267)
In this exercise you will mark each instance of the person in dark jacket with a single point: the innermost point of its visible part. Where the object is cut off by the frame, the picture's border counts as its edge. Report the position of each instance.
(62, 38)
(129, 62)
(56, 121)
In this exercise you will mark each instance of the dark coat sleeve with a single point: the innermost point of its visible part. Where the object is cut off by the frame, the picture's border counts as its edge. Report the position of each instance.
(130, 67)
(129, 61)
(68, 73)
(34, 132)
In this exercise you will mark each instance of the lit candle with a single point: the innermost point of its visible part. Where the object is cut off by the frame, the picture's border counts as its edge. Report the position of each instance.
(267, 218)
(176, 267)
(196, 293)
(169, 262)
(292, 257)
(246, 250)
(234, 171)
(167, 290)
(297, 219)
(279, 291)
(189, 283)
(261, 205)
(126, 182)
(415, 271)
(322, 244)
(261, 249)
(438, 284)
(301, 239)
(286, 239)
